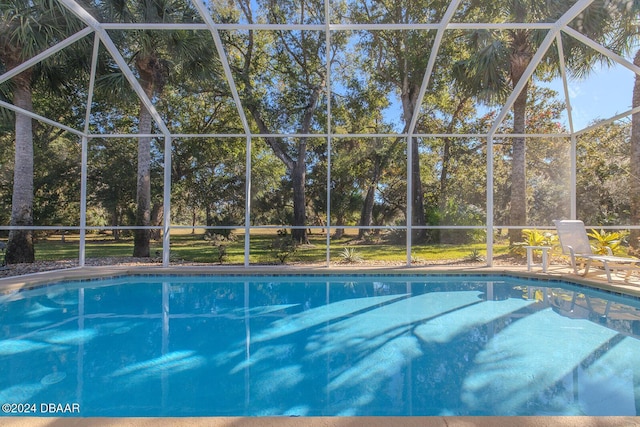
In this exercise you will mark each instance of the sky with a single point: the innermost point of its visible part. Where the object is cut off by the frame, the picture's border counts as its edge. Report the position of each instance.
(600, 96)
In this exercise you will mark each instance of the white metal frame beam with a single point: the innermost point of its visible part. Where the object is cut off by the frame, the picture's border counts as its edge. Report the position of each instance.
(45, 54)
(601, 49)
(85, 153)
(323, 27)
(85, 17)
(212, 26)
(327, 19)
(559, 25)
(213, 29)
(573, 149)
(101, 36)
(566, 18)
(40, 118)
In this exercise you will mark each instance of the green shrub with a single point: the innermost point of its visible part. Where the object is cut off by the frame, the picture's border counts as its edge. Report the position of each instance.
(474, 256)
(350, 256)
(607, 239)
(283, 247)
(533, 238)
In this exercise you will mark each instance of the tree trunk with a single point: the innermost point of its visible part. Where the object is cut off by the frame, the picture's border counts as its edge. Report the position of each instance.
(634, 184)
(366, 215)
(208, 219)
(339, 233)
(154, 72)
(518, 208)
(143, 189)
(409, 98)
(20, 244)
(298, 177)
(419, 218)
(115, 222)
(520, 59)
(157, 214)
(444, 174)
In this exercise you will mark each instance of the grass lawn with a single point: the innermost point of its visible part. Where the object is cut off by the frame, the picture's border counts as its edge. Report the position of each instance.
(195, 248)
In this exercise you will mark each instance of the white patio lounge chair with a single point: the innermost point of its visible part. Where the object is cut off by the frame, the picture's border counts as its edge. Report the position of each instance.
(575, 243)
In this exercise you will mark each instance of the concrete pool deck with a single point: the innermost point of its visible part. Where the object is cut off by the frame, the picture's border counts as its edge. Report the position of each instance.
(597, 280)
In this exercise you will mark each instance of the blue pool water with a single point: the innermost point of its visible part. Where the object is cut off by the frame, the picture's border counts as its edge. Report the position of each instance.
(310, 346)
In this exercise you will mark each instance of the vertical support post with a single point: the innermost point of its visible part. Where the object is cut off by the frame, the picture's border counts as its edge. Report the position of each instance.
(409, 198)
(573, 151)
(328, 250)
(85, 155)
(83, 202)
(327, 20)
(166, 228)
(247, 202)
(489, 201)
(574, 177)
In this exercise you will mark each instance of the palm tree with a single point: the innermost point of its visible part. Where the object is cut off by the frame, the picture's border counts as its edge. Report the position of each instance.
(496, 66)
(501, 58)
(26, 29)
(614, 25)
(624, 39)
(158, 57)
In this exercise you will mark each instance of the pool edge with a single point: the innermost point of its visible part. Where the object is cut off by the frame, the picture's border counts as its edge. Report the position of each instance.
(30, 281)
(551, 421)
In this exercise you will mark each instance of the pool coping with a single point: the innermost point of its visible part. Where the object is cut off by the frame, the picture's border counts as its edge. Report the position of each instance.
(35, 280)
(562, 421)
(31, 281)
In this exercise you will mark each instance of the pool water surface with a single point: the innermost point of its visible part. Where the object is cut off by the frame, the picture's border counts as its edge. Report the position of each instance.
(318, 346)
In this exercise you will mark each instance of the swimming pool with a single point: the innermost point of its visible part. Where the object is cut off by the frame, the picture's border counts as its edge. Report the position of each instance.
(309, 345)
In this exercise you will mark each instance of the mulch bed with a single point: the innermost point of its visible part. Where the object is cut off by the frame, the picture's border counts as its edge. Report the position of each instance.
(41, 266)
